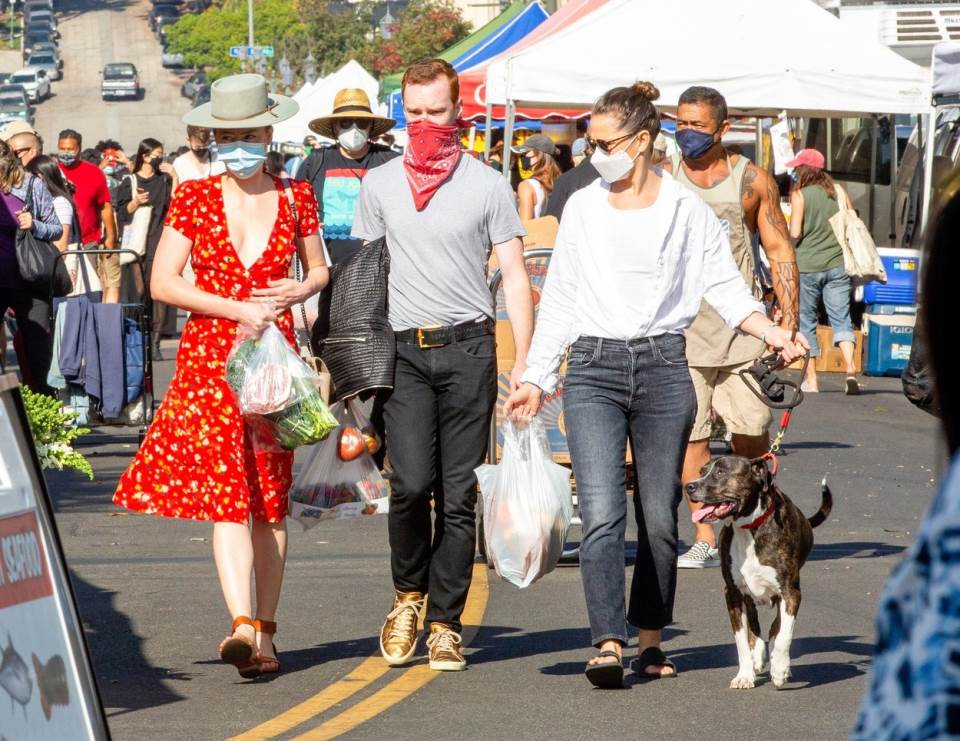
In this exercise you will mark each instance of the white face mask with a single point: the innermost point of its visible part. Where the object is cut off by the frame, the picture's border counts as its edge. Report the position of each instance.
(353, 138)
(614, 167)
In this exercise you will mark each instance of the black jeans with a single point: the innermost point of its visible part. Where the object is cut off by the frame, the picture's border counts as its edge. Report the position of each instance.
(33, 322)
(437, 428)
(639, 390)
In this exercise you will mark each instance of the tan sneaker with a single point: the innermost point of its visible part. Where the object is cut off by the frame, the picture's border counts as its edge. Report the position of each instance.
(446, 649)
(398, 636)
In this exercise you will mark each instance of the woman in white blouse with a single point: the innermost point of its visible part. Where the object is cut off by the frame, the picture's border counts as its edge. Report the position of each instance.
(636, 254)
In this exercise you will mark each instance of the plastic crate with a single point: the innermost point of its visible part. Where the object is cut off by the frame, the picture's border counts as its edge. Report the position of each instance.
(889, 338)
(902, 266)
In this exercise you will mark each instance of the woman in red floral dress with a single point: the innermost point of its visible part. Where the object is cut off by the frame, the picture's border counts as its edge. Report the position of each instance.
(239, 233)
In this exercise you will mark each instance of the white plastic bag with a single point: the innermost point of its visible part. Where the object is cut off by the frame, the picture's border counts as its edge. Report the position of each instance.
(527, 505)
(337, 480)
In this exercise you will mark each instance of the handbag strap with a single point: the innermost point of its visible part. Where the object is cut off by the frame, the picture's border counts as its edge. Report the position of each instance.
(841, 197)
(297, 265)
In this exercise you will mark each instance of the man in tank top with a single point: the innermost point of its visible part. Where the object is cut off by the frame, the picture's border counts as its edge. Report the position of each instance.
(746, 200)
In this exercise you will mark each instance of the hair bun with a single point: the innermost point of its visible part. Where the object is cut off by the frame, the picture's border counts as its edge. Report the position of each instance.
(647, 89)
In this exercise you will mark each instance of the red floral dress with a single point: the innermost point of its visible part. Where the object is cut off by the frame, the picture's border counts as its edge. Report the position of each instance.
(197, 461)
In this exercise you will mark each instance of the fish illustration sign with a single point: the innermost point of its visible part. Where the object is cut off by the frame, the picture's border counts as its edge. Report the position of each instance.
(47, 687)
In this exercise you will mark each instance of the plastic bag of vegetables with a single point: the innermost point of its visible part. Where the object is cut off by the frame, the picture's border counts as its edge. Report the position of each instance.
(277, 391)
(339, 478)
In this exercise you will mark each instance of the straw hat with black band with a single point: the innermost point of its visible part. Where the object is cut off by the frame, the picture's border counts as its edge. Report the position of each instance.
(351, 104)
(242, 102)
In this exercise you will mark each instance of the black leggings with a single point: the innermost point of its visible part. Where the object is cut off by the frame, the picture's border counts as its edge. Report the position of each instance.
(33, 322)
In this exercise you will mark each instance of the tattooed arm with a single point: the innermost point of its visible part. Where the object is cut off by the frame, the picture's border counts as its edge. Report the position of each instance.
(776, 242)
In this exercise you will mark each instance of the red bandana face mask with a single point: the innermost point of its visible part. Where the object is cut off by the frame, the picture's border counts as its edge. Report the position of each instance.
(430, 158)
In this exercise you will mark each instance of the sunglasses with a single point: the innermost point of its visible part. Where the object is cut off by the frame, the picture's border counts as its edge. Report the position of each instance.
(610, 144)
(360, 123)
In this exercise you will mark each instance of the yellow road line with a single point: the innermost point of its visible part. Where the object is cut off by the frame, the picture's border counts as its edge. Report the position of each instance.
(412, 679)
(369, 671)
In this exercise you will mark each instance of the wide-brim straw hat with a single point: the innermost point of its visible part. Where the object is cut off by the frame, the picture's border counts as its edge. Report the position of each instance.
(242, 102)
(351, 103)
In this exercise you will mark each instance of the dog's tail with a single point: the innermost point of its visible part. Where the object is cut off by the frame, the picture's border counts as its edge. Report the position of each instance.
(826, 504)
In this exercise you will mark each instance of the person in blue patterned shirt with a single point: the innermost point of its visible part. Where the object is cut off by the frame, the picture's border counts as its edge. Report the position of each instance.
(914, 685)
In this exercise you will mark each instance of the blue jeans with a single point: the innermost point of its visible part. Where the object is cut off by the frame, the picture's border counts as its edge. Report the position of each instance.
(834, 286)
(614, 391)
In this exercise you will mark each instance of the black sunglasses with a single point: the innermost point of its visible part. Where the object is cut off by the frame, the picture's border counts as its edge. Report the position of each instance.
(607, 146)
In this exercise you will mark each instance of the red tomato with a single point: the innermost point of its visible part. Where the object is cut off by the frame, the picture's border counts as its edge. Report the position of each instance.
(351, 444)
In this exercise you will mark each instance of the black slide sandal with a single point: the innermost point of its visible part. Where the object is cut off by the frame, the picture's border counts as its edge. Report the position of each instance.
(652, 656)
(607, 675)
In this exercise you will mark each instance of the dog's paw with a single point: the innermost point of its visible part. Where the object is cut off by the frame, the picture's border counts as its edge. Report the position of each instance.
(742, 682)
(779, 673)
(759, 656)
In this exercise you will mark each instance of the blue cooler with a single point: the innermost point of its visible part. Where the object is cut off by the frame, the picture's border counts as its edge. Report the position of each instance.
(901, 287)
(887, 338)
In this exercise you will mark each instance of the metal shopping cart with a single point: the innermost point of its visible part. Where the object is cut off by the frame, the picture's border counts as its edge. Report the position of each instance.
(137, 327)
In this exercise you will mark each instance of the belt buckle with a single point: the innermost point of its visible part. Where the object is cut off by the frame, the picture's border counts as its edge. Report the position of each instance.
(421, 343)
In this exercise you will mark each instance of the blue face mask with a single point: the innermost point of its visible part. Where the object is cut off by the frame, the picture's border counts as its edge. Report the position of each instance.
(694, 144)
(243, 159)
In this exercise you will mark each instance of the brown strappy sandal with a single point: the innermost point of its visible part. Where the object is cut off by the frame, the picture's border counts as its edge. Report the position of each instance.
(267, 664)
(239, 651)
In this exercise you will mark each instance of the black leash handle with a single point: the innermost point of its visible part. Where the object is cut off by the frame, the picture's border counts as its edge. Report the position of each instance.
(763, 374)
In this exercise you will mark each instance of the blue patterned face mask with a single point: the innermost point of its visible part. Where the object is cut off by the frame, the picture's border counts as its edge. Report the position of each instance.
(243, 159)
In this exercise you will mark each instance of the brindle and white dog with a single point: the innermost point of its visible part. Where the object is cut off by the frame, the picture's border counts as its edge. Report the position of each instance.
(764, 541)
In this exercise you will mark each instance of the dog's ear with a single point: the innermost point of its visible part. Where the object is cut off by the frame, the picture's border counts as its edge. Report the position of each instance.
(761, 472)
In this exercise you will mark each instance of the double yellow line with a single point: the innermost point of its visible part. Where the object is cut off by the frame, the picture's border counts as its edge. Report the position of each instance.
(368, 672)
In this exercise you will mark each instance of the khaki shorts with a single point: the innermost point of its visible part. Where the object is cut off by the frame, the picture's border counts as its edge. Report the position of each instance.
(109, 268)
(724, 392)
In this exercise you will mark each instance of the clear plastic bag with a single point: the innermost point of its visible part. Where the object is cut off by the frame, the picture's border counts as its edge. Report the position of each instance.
(277, 391)
(339, 478)
(527, 505)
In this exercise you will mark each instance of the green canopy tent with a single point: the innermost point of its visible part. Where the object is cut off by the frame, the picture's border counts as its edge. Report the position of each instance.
(392, 82)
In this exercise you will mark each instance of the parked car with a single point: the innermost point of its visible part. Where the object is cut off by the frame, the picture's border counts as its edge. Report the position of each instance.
(120, 80)
(195, 81)
(36, 36)
(44, 27)
(201, 96)
(37, 5)
(40, 18)
(34, 81)
(49, 47)
(47, 62)
(163, 13)
(8, 90)
(170, 60)
(14, 108)
(163, 23)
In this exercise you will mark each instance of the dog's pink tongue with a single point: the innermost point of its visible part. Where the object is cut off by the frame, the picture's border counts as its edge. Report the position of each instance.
(704, 511)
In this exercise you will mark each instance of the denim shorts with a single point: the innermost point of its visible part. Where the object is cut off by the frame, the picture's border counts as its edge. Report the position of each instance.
(834, 287)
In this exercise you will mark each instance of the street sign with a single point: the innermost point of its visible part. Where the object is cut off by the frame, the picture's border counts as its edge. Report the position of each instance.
(251, 52)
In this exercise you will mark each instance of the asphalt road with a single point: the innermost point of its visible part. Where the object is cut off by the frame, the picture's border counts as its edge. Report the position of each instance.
(95, 33)
(153, 614)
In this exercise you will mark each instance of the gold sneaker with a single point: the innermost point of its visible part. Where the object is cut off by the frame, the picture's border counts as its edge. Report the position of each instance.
(446, 649)
(398, 636)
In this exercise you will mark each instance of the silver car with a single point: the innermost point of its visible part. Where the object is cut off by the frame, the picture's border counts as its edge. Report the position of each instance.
(47, 62)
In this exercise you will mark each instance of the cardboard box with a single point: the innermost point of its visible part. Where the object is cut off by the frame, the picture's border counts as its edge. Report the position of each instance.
(831, 359)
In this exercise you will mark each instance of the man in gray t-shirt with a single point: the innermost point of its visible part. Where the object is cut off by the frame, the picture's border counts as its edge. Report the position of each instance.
(441, 212)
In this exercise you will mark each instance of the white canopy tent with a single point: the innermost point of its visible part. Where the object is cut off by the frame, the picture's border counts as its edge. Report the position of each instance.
(318, 100)
(765, 56)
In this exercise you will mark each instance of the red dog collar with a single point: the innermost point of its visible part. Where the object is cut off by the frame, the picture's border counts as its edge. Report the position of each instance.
(760, 520)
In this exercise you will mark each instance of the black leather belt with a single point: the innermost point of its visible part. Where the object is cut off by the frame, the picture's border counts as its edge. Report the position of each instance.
(427, 337)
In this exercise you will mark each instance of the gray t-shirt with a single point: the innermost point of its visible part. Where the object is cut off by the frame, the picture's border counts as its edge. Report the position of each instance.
(438, 256)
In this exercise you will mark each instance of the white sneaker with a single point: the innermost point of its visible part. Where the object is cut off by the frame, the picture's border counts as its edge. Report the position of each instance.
(701, 555)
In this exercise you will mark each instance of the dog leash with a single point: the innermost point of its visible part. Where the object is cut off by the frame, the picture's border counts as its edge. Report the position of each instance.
(773, 392)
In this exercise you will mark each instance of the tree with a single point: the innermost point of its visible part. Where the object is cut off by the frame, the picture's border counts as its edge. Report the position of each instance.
(205, 39)
(424, 29)
(334, 35)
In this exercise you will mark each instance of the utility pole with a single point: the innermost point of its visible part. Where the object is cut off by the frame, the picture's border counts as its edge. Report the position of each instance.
(249, 22)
